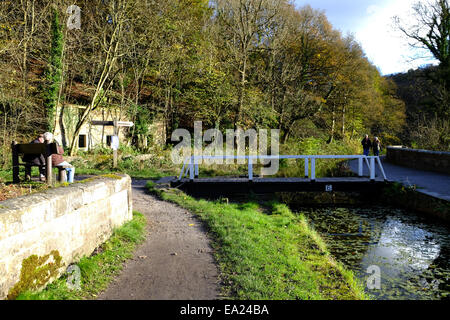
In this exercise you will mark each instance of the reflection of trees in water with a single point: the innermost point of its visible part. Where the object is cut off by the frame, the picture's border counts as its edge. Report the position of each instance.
(413, 253)
(444, 255)
(349, 232)
(441, 265)
(352, 248)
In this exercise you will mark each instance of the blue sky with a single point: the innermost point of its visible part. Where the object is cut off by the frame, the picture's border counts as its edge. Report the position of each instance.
(370, 21)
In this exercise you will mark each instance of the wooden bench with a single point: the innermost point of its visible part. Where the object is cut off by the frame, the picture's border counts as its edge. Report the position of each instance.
(46, 149)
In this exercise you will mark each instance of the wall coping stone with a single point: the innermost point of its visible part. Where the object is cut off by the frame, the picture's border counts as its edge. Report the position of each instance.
(419, 150)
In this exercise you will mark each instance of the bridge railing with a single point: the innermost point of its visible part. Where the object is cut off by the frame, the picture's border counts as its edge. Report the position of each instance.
(191, 164)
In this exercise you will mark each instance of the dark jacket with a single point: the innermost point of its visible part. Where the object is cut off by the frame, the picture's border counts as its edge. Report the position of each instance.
(36, 159)
(376, 145)
(367, 144)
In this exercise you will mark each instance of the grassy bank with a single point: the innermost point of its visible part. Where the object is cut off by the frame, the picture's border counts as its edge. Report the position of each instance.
(264, 251)
(98, 270)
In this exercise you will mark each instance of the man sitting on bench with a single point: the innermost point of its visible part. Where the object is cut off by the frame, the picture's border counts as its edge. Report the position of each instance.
(35, 160)
(58, 160)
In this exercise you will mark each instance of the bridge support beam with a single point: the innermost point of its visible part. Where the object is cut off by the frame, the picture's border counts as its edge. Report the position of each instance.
(222, 187)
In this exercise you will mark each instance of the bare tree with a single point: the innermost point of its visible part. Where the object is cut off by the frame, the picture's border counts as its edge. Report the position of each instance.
(431, 31)
(245, 23)
(108, 40)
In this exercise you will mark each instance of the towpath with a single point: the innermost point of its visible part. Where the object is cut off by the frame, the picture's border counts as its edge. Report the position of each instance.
(174, 263)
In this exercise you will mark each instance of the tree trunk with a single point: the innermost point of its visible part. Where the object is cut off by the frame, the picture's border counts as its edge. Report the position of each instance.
(343, 121)
(109, 62)
(25, 48)
(333, 125)
(242, 91)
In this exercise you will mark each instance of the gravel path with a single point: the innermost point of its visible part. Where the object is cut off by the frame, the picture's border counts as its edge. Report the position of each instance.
(174, 263)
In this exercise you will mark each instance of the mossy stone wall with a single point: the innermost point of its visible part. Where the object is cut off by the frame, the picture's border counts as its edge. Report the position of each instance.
(419, 159)
(56, 228)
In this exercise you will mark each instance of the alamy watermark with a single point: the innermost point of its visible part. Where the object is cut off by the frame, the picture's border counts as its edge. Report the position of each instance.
(74, 20)
(229, 150)
(74, 277)
(374, 280)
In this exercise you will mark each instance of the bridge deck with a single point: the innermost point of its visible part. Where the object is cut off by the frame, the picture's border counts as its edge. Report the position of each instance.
(236, 185)
(431, 183)
(278, 180)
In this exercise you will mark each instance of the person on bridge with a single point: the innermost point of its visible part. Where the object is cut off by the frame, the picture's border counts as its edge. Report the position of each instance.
(376, 146)
(367, 144)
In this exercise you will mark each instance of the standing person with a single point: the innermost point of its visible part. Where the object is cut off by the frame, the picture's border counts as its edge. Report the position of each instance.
(58, 160)
(35, 159)
(376, 146)
(367, 144)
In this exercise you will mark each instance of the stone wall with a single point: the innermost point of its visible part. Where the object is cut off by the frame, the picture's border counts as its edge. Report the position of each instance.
(397, 195)
(419, 159)
(58, 227)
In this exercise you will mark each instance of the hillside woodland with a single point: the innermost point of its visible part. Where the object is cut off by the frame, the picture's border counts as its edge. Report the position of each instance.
(261, 64)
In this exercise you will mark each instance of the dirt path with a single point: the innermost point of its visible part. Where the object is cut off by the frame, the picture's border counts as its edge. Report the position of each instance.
(174, 263)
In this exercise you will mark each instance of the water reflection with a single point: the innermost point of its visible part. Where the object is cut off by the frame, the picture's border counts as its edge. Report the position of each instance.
(411, 252)
(404, 247)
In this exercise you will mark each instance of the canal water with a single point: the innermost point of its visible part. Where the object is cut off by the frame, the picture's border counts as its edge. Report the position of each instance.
(397, 254)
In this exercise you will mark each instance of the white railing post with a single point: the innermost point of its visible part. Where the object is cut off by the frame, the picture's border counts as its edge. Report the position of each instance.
(191, 169)
(360, 166)
(250, 169)
(367, 162)
(182, 170)
(196, 170)
(306, 168)
(191, 164)
(372, 168)
(381, 168)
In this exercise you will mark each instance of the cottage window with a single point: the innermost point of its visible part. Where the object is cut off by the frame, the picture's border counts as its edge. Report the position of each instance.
(82, 141)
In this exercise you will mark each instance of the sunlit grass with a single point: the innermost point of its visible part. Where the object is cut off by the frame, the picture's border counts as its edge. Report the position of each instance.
(264, 251)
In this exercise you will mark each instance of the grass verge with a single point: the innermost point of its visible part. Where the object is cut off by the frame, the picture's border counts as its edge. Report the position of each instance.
(98, 270)
(264, 251)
